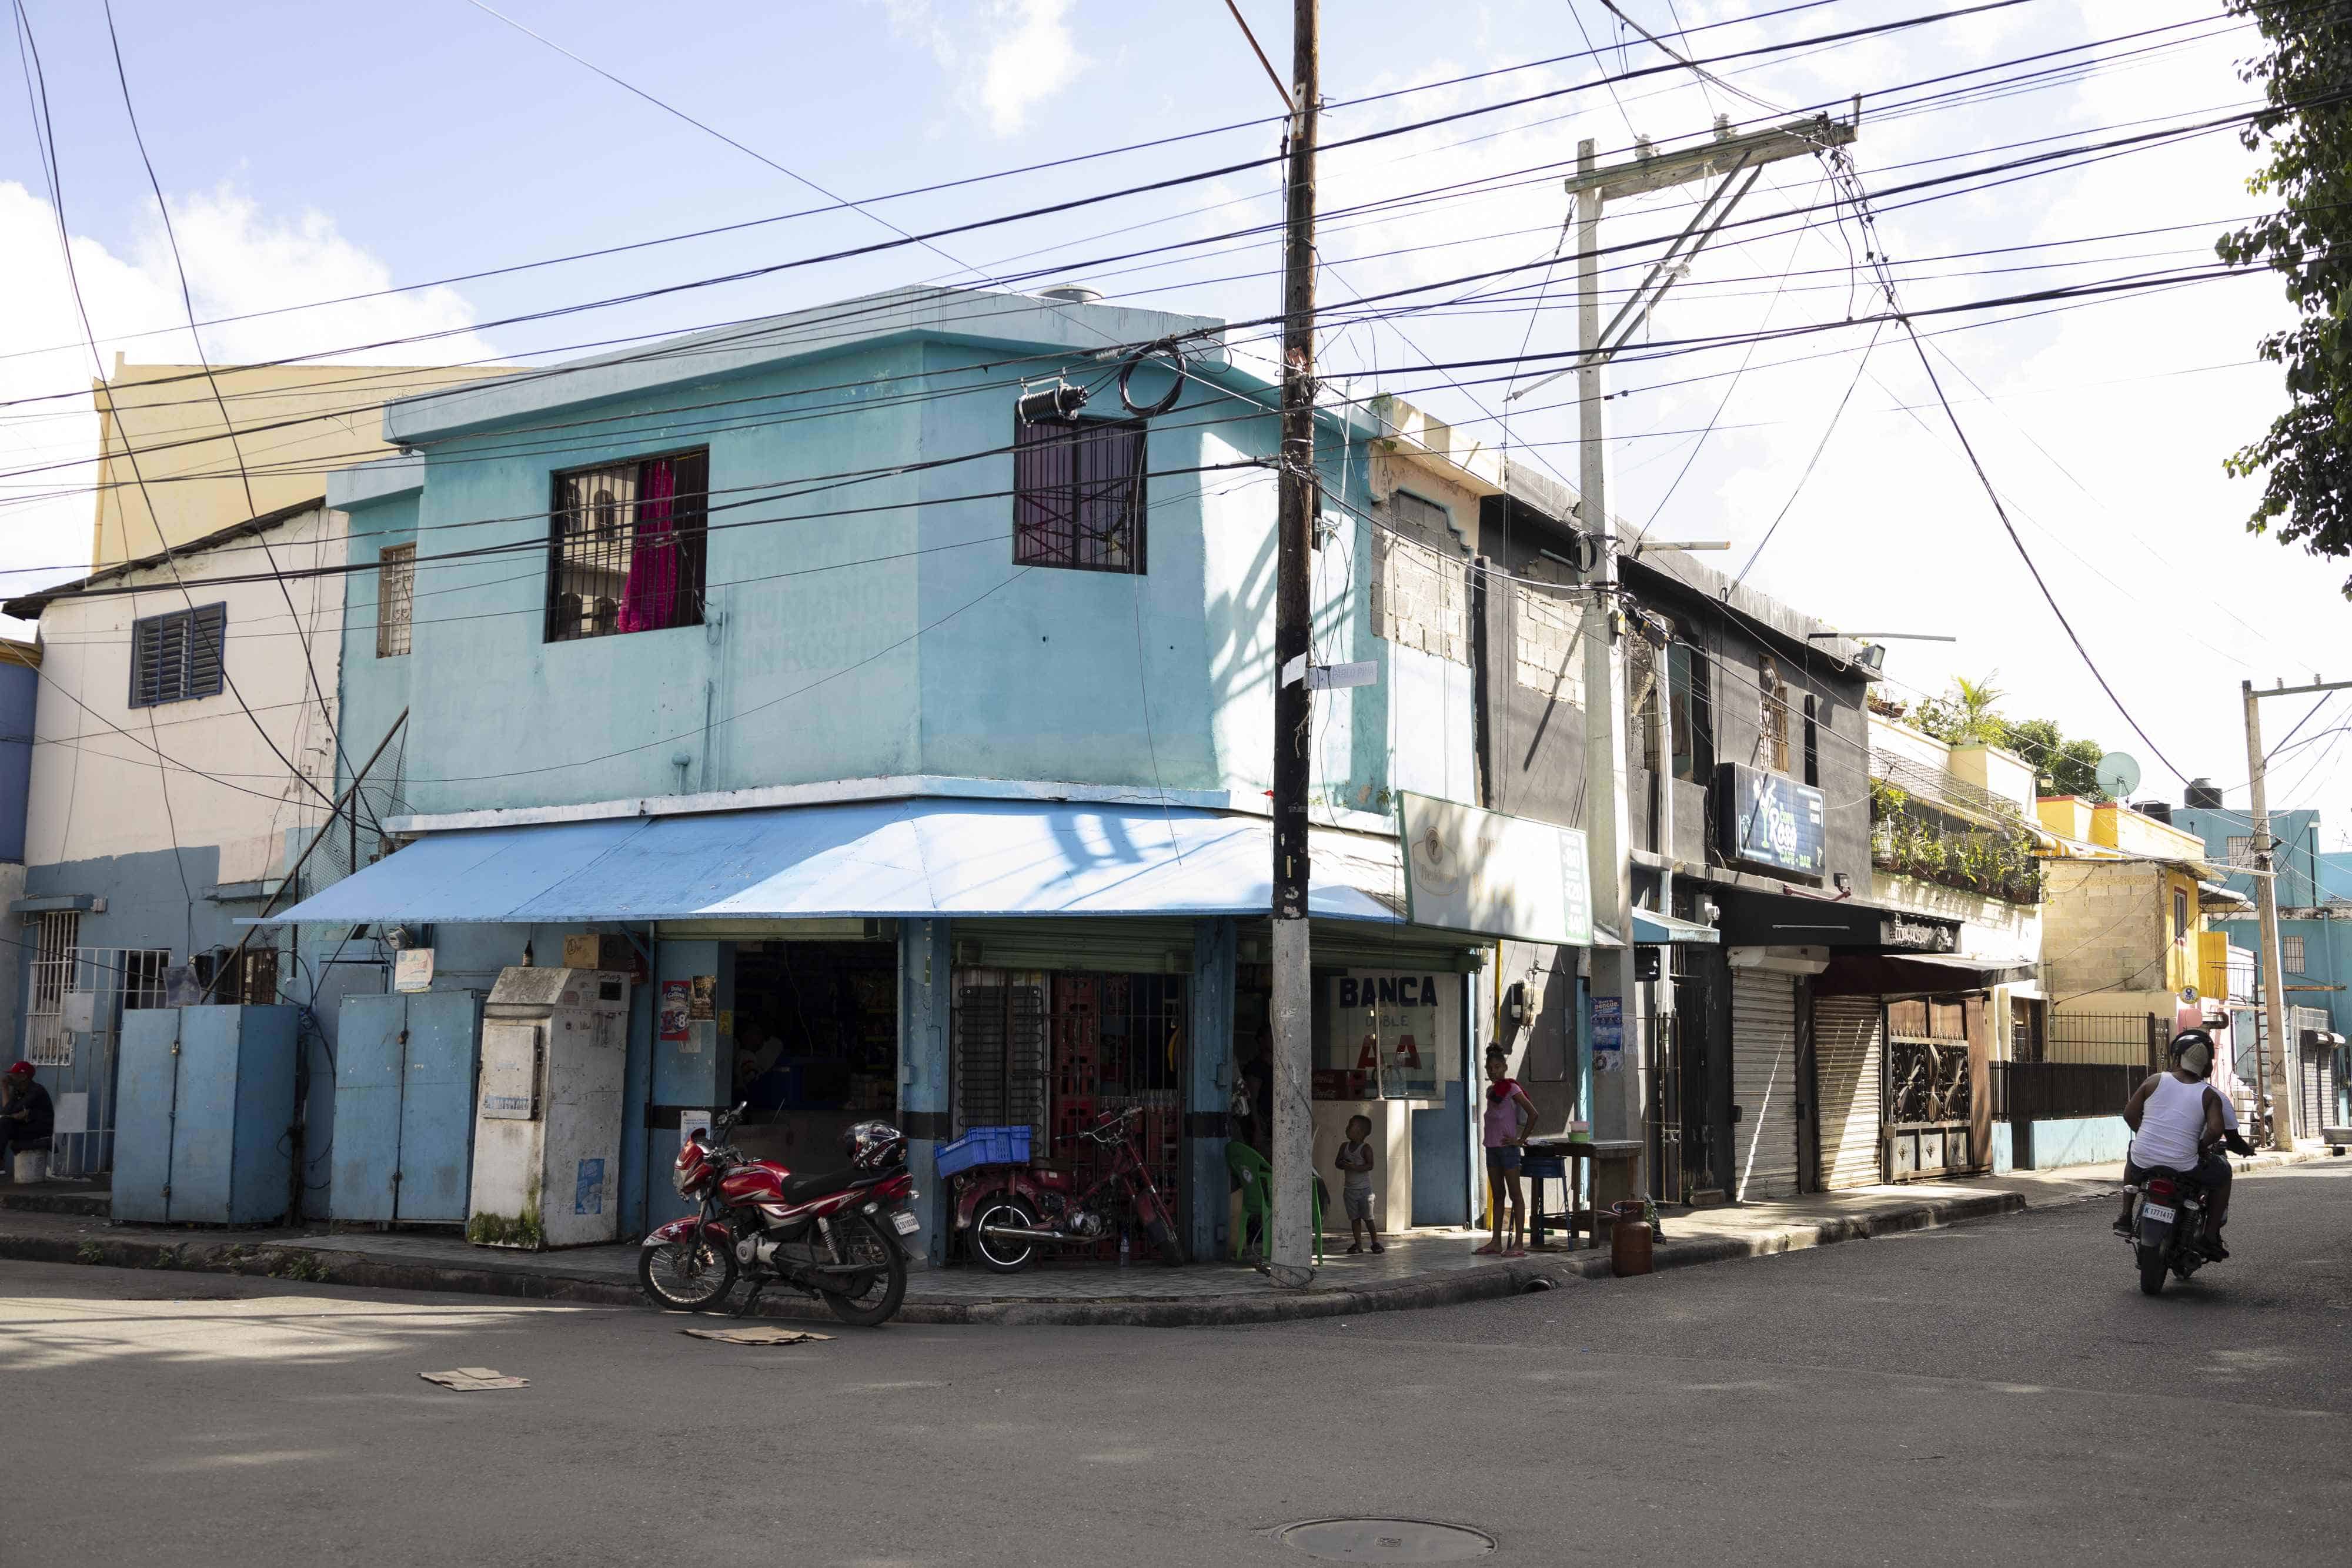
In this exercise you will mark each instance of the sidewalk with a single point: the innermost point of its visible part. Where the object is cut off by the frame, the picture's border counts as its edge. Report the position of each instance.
(1425, 1268)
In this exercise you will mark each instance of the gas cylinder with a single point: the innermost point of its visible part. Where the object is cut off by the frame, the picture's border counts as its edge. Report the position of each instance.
(1629, 1241)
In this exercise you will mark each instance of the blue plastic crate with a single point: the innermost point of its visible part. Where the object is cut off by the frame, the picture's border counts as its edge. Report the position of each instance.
(985, 1146)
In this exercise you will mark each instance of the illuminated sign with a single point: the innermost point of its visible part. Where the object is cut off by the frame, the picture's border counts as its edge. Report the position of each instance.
(1767, 819)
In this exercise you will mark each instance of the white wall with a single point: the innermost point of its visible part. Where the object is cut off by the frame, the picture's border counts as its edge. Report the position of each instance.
(97, 789)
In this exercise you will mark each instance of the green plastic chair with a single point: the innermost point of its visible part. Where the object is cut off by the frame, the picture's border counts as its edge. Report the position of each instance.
(1257, 1176)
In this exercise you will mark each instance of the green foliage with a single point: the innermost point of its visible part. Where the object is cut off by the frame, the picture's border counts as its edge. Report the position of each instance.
(505, 1230)
(1918, 842)
(88, 1252)
(2305, 456)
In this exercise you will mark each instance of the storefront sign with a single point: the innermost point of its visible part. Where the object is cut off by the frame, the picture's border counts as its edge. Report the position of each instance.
(1608, 1030)
(1383, 1035)
(676, 1007)
(412, 969)
(1917, 936)
(1768, 819)
(1468, 870)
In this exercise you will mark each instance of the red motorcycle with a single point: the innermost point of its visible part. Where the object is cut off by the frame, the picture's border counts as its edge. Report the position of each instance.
(837, 1237)
(1009, 1212)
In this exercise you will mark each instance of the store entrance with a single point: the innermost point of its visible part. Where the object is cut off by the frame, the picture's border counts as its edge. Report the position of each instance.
(816, 1045)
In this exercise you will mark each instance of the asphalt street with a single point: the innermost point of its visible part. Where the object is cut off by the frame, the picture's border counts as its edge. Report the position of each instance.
(1994, 1392)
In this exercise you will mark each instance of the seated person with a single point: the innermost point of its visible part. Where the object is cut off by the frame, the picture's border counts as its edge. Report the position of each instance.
(27, 1116)
(2177, 1119)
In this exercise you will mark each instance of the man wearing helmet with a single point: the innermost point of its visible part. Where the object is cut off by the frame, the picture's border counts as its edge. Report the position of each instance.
(26, 1117)
(2177, 1119)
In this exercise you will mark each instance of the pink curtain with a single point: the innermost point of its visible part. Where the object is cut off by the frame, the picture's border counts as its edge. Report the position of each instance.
(649, 599)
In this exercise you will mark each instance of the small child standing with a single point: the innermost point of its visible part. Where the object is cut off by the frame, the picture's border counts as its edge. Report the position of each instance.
(1355, 1159)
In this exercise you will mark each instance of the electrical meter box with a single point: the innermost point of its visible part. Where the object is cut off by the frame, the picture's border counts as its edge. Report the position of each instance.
(547, 1109)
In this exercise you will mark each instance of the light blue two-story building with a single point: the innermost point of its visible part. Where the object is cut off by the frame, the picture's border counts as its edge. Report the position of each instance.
(912, 754)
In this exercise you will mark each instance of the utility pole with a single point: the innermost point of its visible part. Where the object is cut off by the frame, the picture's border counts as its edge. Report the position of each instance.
(2277, 1073)
(1291, 1245)
(1616, 1110)
(1735, 163)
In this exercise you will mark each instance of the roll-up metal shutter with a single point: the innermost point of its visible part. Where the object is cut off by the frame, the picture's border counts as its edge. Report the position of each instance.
(1764, 1084)
(1849, 1051)
(1123, 947)
(2319, 1088)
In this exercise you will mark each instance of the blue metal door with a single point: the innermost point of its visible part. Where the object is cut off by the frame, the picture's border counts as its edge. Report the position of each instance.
(147, 1070)
(203, 1124)
(436, 1109)
(367, 1108)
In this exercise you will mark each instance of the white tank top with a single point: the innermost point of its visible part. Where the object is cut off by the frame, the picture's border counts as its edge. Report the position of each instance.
(2171, 1123)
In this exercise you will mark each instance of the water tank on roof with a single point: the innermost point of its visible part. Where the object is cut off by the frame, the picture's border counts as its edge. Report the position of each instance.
(2161, 810)
(1071, 294)
(2203, 795)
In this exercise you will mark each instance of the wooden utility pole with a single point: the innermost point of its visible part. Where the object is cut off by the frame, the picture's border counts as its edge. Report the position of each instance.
(1293, 1065)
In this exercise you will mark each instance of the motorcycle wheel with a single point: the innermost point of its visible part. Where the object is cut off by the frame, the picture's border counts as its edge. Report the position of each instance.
(858, 1239)
(673, 1276)
(2151, 1271)
(1008, 1254)
(1164, 1245)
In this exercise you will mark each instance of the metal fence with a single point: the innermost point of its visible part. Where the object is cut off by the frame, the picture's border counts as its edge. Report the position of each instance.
(71, 1027)
(2083, 1064)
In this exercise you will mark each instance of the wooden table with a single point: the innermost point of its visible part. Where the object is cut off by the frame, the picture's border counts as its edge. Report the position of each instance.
(1550, 1158)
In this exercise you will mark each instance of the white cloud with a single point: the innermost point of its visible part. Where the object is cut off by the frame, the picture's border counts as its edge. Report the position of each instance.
(1002, 56)
(239, 261)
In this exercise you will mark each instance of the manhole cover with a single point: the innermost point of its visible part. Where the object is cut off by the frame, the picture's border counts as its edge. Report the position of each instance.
(1386, 1540)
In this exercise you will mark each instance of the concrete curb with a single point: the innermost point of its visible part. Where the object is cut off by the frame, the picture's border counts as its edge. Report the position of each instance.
(291, 1259)
(92, 1205)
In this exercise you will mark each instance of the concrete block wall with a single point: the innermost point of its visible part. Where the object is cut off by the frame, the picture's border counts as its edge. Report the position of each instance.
(2103, 925)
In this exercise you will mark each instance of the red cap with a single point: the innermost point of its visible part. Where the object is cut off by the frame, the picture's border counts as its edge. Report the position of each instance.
(22, 1070)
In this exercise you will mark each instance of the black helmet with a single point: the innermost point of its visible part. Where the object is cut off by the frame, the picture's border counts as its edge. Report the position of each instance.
(872, 1144)
(2186, 1054)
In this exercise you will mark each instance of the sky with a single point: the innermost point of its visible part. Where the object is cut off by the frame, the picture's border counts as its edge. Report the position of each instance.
(312, 153)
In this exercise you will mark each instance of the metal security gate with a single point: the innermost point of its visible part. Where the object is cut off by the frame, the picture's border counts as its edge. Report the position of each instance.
(2315, 1083)
(1763, 1085)
(73, 1023)
(997, 1045)
(1929, 1104)
(404, 1074)
(1849, 1057)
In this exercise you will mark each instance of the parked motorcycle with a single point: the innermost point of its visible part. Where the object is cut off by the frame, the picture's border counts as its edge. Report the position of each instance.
(1010, 1213)
(838, 1236)
(2168, 1222)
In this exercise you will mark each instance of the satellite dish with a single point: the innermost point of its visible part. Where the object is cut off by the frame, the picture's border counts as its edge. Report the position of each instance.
(2118, 774)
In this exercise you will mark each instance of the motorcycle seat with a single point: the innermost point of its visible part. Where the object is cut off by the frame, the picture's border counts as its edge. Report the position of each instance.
(804, 1189)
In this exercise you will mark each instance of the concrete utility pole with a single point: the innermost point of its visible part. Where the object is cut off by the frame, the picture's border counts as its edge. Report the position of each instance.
(2277, 1073)
(1291, 1244)
(1737, 163)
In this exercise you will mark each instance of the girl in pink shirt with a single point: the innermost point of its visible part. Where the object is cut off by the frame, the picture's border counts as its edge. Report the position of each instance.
(1509, 1114)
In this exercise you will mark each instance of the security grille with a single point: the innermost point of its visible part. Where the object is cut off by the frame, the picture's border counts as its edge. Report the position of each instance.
(999, 1040)
(395, 600)
(628, 547)
(46, 1043)
(1077, 494)
(81, 1081)
(177, 656)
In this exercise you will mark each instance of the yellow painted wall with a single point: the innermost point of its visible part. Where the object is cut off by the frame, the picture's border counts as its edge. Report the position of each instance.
(2068, 816)
(290, 423)
(2121, 828)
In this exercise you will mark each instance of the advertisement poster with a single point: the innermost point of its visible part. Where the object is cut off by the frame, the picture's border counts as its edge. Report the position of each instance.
(412, 969)
(705, 995)
(675, 1006)
(691, 1123)
(1608, 1033)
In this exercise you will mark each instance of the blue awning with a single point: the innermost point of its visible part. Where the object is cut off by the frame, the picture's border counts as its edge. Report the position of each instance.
(897, 859)
(1651, 929)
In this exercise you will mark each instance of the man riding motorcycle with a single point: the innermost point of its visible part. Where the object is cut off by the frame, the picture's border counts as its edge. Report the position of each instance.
(2176, 1118)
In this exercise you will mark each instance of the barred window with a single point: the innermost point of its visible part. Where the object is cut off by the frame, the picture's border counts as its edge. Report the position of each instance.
(2239, 850)
(2290, 954)
(395, 600)
(177, 656)
(1078, 494)
(1772, 717)
(629, 547)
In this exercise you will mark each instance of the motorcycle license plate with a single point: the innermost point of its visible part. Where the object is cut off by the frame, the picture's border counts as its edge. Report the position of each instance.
(905, 1223)
(2157, 1211)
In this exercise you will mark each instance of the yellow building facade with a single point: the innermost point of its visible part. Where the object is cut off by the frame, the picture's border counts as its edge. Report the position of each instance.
(183, 454)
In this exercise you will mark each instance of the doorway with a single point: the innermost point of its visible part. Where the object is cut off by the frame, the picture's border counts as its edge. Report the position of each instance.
(816, 1045)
